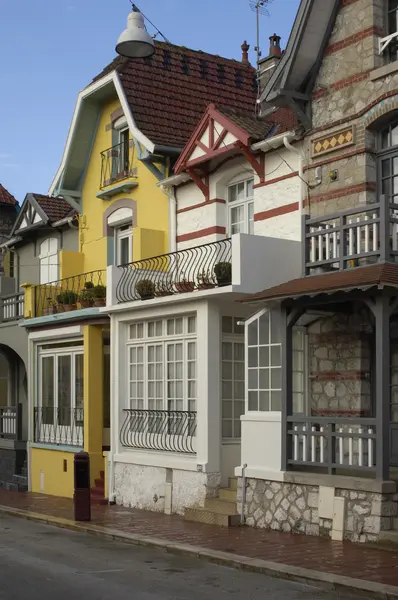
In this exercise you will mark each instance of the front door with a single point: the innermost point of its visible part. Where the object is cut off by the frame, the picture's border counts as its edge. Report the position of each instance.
(232, 394)
(394, 404)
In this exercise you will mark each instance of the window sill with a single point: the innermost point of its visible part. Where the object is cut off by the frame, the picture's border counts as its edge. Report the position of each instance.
(264, 416)
(56, 447)
(384, 71)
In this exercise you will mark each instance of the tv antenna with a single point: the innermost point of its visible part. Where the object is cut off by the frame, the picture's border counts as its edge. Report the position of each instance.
(260, 8)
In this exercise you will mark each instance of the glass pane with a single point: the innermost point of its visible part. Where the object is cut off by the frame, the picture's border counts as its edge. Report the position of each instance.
(226, 409)
(385, 168)
(252, 333)
(179, 389)
(264, 401)
(227, 324)
(227, 429)
(239, 371)
(140, 354)
(264, 379)
(241, 191)
(124, 251)
(298, 403)
(178, 351)
(79, 383)
(47, 385)
(227, 370)
(227, 390)
(171, 371)
(264, 328)
(253, 357)
(64, 389)
(192, 351)
(151, 353)
(276, 400)
(275, 327)
(395, 165)
(140, 330)
(179, 325)
(249, 188)
(395, 185)
(191, 389)
(276, 356)
(191, 370)
(276, 379)
(253, 401)
(170, 326)
(239, 352)
(385, 138)
(170, 352)
(133, 332)
(151, 372)
(179, 370)
(159, 353)
(191, 324)
(239, 390)
(253, 379)
(264, 356)
(159, 328)
(392, 22)
(394, 130)
(227, 350)
(232, 193)
(237, 428)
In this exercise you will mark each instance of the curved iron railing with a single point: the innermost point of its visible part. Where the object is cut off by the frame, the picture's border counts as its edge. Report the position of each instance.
(59, 425)
(117, 163)
(178, 272)
(172, 430)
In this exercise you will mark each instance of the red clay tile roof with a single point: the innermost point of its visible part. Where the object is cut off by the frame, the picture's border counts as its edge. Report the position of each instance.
(380, 274)
(169, 92)
(6, 197)
(56, 208)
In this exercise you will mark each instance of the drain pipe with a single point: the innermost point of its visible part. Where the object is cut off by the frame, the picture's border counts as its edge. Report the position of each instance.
(242, 512)
(171, 194)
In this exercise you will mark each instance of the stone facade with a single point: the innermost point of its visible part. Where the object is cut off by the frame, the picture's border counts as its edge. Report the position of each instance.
(293, 507)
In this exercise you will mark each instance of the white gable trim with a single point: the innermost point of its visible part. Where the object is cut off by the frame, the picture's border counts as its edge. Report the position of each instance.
(112, 77)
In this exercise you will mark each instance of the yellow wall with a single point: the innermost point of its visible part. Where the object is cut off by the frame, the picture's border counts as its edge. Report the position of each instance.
(152, 205)
(57, 482)
(70, 263)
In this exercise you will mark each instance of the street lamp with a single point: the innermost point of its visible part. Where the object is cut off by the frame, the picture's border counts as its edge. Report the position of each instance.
(135, 41)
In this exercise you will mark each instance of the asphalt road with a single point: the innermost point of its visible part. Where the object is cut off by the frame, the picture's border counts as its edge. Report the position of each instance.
(40, 562)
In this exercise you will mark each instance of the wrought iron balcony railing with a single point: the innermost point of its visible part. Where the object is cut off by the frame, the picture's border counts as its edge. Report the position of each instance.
(117, 163)
(81, 291)
(172, 431)
(351, 238)
(201, 267)
(12, 307)
(11, 422)
(57, 425)
(331, 444)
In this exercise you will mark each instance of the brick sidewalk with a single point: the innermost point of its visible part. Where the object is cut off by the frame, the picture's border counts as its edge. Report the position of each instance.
(347, 559)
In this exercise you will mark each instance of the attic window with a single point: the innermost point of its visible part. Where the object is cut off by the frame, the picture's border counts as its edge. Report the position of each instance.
(166, 59)
(185, 65)
(204, 68)
(220, 73)
(238, 79)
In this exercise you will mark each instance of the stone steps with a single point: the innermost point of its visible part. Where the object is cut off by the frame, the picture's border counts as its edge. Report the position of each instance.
(217, 511)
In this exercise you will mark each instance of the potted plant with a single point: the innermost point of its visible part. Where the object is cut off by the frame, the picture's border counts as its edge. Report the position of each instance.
(86, 298)
(146, 289)
(164, 289)
(223, 271)
(67, 300)
(51, 308)
(184, 285)
(99, 295)
(205, 281)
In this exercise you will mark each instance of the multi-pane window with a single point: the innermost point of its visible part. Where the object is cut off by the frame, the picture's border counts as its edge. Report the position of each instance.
(124, 244)
(48, 260)
(388, 161)
(232, 377)
(241, 207)
(59, 410)
(299, 361)
(264, 362)
(162, 364)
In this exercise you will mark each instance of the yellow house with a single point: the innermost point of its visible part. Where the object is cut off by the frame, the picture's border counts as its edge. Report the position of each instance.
(108, 176)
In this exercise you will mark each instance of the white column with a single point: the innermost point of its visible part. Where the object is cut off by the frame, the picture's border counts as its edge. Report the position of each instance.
(209, 392)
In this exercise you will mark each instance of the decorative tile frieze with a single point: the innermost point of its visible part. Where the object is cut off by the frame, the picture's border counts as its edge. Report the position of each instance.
(333, 141)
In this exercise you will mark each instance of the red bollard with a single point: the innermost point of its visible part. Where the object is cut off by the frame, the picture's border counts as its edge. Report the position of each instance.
(81, 497)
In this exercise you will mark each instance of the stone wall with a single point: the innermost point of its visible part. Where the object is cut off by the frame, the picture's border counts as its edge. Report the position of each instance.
(339, 364)
(146, 487)
(355, 515)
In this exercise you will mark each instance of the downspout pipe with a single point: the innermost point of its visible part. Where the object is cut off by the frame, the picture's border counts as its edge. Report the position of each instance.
(170, 193)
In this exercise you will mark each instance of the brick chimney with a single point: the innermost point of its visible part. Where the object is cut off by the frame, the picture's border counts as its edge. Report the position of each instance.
(266, 66)
(245, 53)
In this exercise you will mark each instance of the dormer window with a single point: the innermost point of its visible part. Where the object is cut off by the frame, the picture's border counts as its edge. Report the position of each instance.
(241, 207)
(389, 44)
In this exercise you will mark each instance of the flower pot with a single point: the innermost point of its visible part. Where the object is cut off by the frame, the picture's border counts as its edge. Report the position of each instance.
(86, 303)
(223, 281)
(206, 286)
(147, 295)
(98, 302)
(50, 310)
(185, 286)
(161, 293)
(69, 307)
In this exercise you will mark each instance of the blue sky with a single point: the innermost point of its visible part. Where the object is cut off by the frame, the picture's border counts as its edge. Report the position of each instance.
(51, 49)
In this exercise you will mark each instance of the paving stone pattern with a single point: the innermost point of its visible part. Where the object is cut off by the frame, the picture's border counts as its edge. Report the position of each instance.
(342, 558)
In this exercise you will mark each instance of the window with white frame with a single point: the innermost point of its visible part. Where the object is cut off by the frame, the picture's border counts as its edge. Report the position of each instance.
(241, 207)
(48, 260)
(60, 394)
(299, 364)
(392, 7)
(264, 362)
(162, 364)
(124, 244)
(232, 377)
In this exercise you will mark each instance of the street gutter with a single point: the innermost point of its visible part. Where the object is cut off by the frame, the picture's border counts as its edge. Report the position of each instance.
(327, 581)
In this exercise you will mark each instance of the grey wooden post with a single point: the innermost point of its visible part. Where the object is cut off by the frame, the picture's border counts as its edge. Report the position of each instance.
(305, 251)
(382, 324)
(384, 230)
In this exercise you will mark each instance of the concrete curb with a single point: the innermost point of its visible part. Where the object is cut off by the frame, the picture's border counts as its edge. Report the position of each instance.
(328, 581)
